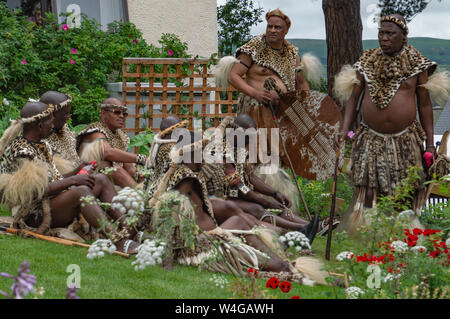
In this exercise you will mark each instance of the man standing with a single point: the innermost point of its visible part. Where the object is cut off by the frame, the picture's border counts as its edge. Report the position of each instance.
(265, 56)
(106, 143)
(389, 139)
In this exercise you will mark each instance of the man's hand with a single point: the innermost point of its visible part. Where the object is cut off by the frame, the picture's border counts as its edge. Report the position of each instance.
(282, 199)
(83, 180)
(263, 96)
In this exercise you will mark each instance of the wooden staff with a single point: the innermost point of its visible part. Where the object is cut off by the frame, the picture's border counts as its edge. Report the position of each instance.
(290, 163)
(333, 203)
(53, 239)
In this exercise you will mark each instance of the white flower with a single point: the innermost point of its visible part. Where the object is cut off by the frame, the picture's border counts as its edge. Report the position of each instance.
(5, 102)
(406, 214)
(149, 254)
(99, 247)
(344, 255)
(354, 292)
(296, 239)
(390, 277)
(447, 242)
(399, 246)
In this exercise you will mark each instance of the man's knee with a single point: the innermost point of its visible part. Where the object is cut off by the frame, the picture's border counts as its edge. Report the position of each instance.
(81, 191)
(239, 222)
(101, 179)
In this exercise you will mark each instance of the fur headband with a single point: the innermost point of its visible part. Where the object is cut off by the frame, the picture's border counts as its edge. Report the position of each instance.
(397, 21)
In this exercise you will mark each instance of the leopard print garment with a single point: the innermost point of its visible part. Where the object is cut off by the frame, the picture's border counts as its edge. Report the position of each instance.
(64, 144)
(117, 139)
(182, 172)
(161, 167)
(384, 74)
(214, 176)
(283, 63)
(19, 150)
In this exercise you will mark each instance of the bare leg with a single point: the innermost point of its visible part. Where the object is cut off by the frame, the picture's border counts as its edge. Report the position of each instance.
(120, 177)
(224, 209)
(275, 263)
(258, 211)
(66, 206)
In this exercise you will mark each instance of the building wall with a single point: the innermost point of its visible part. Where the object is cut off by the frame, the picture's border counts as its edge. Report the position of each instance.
(194, 21)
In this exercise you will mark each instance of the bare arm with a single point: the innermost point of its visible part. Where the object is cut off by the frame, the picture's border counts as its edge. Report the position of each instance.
(236, 80)
(111, 154)
(57, 187)
(425, 110)
(300, 81)
(350, 107)
(265, 189)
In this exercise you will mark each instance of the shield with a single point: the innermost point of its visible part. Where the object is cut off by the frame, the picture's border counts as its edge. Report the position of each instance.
(308, 122)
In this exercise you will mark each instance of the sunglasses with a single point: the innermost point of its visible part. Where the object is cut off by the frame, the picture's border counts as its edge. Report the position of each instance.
(118, 112)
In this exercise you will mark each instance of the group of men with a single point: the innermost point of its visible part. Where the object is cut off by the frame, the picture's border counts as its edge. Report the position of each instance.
(40, 158)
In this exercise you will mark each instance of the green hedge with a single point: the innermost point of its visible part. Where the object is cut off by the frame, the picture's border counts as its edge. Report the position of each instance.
(79, 61)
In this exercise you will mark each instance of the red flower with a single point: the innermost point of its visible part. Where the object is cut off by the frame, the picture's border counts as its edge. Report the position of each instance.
(417, 231)
(428, 232)
(272, 283)
(252, 272)
(390, 269)
(295, 297)
(285, 286)
(362, 258)
(391, 257)
(435, 253)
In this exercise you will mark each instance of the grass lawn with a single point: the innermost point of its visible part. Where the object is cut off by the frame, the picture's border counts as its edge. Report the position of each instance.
(115, 277)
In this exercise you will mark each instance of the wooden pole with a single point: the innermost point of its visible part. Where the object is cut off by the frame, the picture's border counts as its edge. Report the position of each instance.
(53, 239)
(333, 203)
(290, 163)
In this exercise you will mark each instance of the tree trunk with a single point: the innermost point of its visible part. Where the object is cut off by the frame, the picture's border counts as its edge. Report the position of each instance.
(344, 35)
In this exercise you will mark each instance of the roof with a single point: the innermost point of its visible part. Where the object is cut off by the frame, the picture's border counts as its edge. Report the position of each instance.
(443, 122)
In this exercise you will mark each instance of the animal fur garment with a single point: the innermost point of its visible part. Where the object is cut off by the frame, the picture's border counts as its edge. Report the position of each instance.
(26, 185)
(14, 130)
(93, 151)
(64, 166)
(344, 82)
(222, 72)
(439, 87)
(310, 66)
(281, 182)
(311, 267)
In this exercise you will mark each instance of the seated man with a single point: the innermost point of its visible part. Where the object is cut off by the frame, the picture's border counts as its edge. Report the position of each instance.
(40, 197)
(252, 195)
(159, 160)
(106, 143)
(63, 145)
(183, 178)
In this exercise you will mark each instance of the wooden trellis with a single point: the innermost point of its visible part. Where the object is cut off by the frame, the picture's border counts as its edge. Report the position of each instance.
(148, 88)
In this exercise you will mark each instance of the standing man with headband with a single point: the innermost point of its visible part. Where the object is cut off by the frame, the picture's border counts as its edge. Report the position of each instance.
(389, 139)
(106, 143)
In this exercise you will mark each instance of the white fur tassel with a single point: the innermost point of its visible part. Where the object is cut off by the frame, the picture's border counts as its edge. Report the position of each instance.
(223, 70)
(311, 267)
(344, 82)
(439, 87)
(311, 66)
(93, 152)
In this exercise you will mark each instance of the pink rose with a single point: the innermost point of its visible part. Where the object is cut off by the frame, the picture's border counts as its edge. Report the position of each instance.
(65, 27)
(73, 51)
(72, 61)
(170, 52)
(24, 62)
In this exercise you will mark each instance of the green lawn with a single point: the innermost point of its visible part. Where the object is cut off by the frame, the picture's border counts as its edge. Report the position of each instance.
(114, 276)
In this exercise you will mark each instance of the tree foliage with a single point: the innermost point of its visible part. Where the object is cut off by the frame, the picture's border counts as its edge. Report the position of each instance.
(235, 18)
(407, 8)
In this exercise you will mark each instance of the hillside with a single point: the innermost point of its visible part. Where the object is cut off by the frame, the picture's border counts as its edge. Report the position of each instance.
(437, 50)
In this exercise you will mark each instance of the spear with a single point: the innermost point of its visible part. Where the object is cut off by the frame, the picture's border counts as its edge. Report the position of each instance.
(53, 239)
(333, 203)
(290, 162)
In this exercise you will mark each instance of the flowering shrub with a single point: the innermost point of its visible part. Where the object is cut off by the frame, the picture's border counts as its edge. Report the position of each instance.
(149, 254)
(402, 263)
(129, 202)
(99, 247)
(295, 241)
(79, 61)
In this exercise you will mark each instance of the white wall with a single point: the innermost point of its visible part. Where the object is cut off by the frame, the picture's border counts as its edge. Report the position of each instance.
(194, 21)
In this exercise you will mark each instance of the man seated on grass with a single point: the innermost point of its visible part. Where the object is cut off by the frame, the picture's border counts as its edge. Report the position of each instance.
(106, 143)
(40, 197)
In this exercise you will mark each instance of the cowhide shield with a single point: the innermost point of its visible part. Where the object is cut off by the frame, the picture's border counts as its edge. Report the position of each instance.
(308, 122)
